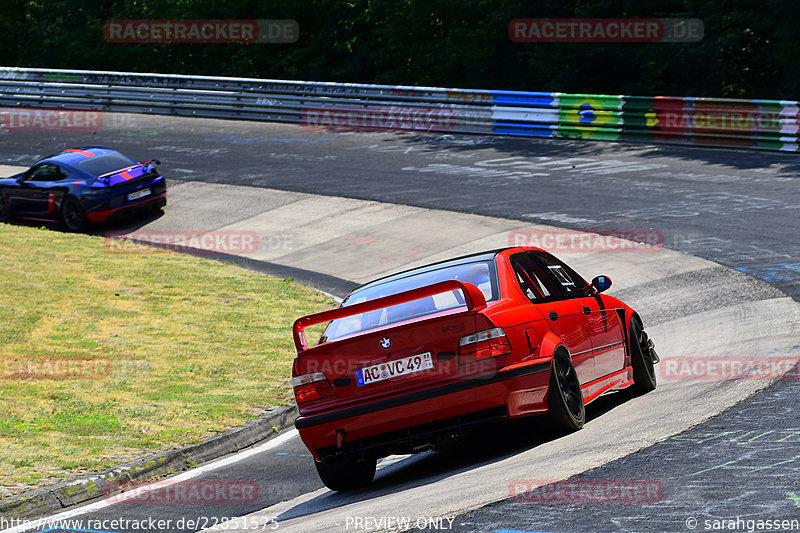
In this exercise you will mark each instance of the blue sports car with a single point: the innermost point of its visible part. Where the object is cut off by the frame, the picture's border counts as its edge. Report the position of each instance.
(85, 185)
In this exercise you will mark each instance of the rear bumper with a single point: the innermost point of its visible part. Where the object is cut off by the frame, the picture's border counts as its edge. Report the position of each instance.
(136, 209)
(418, 420)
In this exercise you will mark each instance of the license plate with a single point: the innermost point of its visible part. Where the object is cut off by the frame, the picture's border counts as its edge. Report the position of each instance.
(138, 194)
(392, 369)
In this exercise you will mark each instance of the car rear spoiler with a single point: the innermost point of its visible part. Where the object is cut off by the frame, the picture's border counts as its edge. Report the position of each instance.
(107, 174)
(473, 298)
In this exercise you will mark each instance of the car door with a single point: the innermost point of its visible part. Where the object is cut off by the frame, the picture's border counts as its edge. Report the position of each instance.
(564, 317)
(36, 195)
(608, 335)
(604, 324)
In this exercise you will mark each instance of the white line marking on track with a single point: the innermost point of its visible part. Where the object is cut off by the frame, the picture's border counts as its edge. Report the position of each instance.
(52, 521)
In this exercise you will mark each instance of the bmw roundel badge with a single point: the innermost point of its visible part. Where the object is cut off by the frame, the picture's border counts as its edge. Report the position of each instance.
(386, 343)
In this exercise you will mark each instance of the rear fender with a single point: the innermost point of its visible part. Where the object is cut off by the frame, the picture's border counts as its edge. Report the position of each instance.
(298, 367)
(549, 343)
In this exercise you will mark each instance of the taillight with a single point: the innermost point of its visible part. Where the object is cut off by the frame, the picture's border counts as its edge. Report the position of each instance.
(310, 387)
(483, 344)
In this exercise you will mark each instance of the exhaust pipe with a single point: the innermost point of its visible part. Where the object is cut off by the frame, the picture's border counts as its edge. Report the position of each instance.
(332, 459)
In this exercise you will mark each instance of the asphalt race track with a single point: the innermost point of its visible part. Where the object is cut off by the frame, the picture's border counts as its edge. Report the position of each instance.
(735, 208)
(738, 208)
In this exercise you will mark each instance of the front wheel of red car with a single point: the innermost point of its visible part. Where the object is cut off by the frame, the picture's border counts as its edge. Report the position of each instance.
(644, 372)
(72, 214)
(348, 474)
(564, 397)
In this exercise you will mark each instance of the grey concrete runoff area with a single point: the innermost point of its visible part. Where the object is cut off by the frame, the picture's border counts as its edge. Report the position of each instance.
(704, 310)
(693, 308)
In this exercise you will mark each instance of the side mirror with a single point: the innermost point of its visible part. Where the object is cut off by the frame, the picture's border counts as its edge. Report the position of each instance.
(601, 283)
(22, 178)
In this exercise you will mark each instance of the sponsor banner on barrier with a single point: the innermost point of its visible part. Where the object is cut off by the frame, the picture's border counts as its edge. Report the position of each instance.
(624, 30)
(721, 368)
(586, 491)
(680, 116)
(177, 31)
(738, 123)
(760, 124)
(586, 116)
(380, 118)
(590, 240)
(42, 119)
(524, 98)
(469, 97)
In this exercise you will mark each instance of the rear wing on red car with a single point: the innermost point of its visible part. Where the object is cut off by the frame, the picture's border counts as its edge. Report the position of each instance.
(473, 299)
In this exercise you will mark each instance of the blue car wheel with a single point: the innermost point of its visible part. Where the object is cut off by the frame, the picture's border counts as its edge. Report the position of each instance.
(5, 214)
(73, 214)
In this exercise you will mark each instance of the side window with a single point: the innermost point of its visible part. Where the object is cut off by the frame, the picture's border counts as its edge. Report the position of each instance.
(532, 279)
(569, 283)
(46, 173)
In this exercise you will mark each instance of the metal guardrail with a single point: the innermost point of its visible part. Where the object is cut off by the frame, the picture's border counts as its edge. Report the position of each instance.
(760, 124)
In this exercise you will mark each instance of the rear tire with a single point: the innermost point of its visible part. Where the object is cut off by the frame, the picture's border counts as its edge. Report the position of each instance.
(564, 396)
(644, 372)
(5, 213)
(347, 475)
(72, 214)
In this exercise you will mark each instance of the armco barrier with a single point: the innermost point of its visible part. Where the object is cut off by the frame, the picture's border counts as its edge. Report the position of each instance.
(760, 124)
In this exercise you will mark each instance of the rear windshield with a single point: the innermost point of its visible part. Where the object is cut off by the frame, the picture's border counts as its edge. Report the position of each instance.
(481, 274)
(103, 164)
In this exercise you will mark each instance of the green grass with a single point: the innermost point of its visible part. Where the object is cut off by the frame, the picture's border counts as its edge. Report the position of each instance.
(186, 348)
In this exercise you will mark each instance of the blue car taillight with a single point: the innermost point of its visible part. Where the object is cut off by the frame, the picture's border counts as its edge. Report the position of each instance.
(94, 191)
